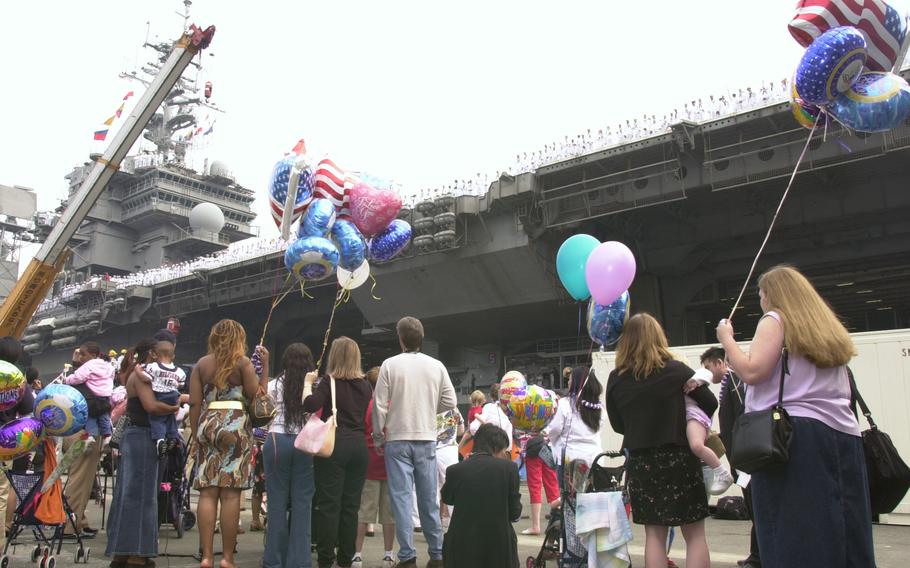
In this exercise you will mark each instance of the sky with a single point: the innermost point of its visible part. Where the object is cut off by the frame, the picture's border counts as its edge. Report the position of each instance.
(420, 92)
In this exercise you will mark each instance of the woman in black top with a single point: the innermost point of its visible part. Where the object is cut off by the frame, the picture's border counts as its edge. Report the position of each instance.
(339, 479)
(132, 525)
(645, 403)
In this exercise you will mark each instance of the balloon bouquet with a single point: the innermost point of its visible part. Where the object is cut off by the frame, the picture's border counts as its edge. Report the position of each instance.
(602, 272)
(846, 74)
(60, 410)
(344, 221)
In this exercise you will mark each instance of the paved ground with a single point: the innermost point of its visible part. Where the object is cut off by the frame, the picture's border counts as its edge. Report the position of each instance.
(728, 541)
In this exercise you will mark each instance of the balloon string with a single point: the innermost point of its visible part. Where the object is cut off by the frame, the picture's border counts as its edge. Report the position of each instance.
(275, 301)
(774, 219)
(303, 291)
(343, 296)
(373, 288)
(328, 330)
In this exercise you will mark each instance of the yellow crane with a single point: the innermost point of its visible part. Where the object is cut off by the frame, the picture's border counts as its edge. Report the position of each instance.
(32, 287)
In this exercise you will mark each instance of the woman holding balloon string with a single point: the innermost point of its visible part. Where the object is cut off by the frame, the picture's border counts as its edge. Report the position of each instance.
(574, 432)
(132, 525)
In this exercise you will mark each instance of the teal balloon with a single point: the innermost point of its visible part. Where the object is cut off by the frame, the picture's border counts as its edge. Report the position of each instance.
(570, 264)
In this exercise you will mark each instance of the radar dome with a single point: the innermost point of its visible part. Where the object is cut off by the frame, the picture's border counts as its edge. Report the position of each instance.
(207, 217)
(220, 169)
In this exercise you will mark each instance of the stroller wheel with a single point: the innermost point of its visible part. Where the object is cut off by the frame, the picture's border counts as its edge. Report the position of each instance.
(36, 554)
(189, 520)
(42, 563)
(51, 562)
(4, 561)
(88, 554)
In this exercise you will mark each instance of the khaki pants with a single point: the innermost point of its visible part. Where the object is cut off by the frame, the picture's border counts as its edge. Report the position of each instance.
(80, 479)
(5, 491)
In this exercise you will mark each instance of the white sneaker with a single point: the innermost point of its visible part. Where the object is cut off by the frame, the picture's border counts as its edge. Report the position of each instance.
(722, 481)
(388, 562)
(708, 475)
(357, 562)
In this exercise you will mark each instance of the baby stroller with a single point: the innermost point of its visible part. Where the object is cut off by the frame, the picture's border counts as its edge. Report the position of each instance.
(174, 491)
(48, 538)
(560, 540)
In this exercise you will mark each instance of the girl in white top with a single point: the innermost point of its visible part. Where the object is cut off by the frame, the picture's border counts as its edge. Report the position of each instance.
(579, 418)
(289, 478)
(492, 413)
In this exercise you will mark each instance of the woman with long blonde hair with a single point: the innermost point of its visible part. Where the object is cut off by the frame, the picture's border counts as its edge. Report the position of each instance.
(645, 403)
(340, 478)
(221, 387)
(826, 473)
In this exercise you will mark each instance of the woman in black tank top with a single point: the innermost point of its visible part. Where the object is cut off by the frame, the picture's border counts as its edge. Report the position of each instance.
(132, 531)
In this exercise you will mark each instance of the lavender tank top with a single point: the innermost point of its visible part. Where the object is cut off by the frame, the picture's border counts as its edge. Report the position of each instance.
(809, 392)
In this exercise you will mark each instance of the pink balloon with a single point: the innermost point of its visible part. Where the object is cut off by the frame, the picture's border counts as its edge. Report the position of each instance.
(609, 271)
(373, 209)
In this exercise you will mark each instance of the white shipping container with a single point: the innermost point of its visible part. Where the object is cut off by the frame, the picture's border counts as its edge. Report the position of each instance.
(882, 372)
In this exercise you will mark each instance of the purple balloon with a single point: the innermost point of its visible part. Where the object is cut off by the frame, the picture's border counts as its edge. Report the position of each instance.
(609, 271)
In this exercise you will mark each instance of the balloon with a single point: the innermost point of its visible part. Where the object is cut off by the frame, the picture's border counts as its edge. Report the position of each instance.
(333, 183)
(389, 243)
(830, 65)
(12, 385)
(311, 258)
(532, 410)
(318, 219)
(350, 243)
(278, 187)
(373, 209)
(814, 17)
(512, 384)
(570, 264)
(19, 437)
(605, 323)
(350, 279)
(609, 271)
(805, 113)
(876, 102)
(61, 409)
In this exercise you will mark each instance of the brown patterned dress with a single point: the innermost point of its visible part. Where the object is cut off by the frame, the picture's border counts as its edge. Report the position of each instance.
(225, 441)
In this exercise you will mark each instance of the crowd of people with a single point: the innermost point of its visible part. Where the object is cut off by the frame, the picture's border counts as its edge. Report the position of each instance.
(403, 457)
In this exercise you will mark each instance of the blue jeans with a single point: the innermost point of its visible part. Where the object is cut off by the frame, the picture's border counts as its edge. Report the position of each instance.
(289, 484)
(164, 426)
(99, 425)
(410, 465)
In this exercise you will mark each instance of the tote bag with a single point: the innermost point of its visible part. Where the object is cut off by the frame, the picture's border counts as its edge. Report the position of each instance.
(317, 438)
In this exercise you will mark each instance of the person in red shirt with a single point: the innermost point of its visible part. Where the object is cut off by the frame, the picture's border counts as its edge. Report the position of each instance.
(374, 500)
(477, 402)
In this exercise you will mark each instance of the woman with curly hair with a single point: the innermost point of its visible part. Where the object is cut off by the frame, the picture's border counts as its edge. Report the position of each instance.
(221, 386)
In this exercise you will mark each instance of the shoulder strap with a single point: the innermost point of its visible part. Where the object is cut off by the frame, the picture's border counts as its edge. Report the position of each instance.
(859, 399)
(334, 409)
(784, 370)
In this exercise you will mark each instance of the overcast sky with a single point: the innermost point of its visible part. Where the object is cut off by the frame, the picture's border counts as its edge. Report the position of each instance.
(422, 92)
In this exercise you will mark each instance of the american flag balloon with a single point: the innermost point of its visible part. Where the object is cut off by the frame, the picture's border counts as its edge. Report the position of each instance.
(333, 183)
(278, 188)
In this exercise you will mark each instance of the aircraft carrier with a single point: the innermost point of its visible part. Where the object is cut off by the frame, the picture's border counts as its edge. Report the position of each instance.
(693, 204)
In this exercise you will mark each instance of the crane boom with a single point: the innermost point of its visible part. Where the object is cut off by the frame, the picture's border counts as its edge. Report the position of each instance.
(34, 284)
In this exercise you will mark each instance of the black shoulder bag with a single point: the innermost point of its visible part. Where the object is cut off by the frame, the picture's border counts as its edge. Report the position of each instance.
(889, 476)
(761, 440)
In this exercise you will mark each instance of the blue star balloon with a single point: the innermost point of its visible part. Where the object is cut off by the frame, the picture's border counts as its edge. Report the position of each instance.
(605, 323)
(830, 65)
(311, 258)
(318, 219)
(278, 187)
(876, 102)
(350, 243)
(391, 241)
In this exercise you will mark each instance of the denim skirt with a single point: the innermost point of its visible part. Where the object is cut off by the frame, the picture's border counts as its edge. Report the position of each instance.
(814, 511)
(132, 525)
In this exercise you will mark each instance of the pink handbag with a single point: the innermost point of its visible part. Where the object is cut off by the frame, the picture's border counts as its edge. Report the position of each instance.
(317, 438)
